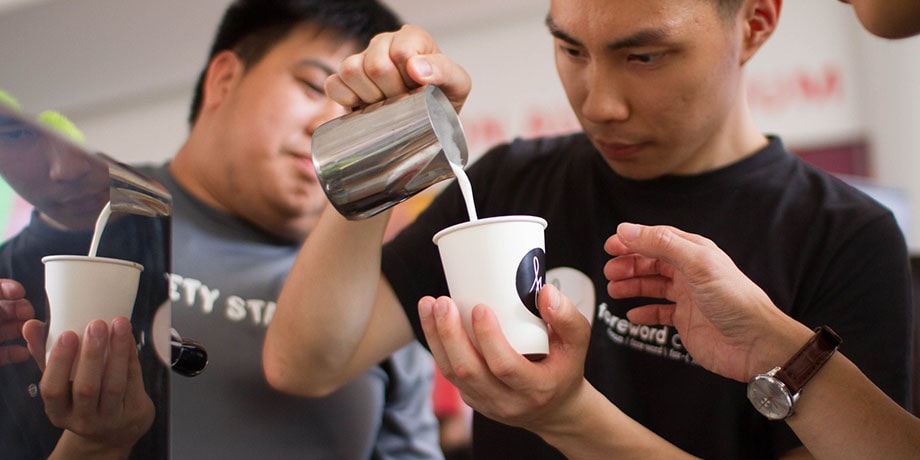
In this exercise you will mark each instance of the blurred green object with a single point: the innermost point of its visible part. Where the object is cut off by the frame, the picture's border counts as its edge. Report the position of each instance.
(9, 101)
(50, 118)
(58, 122)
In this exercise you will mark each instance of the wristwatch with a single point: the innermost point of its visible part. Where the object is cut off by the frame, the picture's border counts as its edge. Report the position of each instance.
(774, 394)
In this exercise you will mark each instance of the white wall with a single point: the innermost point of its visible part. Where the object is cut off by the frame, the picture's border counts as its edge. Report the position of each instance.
(891, 96)
(820, 80)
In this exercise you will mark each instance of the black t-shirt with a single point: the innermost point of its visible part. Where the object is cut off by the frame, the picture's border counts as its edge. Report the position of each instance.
(824, 252)
(24, 430)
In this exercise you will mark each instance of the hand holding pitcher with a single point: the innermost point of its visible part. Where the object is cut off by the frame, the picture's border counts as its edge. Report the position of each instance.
(394, 64)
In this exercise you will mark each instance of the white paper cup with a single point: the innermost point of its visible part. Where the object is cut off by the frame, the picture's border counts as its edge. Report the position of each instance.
(499, 262)
(81, 289)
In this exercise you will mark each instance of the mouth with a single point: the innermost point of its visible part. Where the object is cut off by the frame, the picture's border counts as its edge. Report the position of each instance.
(304, 164)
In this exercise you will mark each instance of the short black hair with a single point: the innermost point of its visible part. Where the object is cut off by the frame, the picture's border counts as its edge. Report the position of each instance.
(250, 28)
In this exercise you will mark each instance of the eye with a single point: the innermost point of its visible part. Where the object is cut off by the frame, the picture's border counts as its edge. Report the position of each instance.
(313, 87)
(11, 135)
(570, 51)
(645, 59)
(18, 140)
(16, 133)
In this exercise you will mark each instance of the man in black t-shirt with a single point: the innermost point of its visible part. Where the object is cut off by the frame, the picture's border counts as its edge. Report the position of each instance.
(667, 139)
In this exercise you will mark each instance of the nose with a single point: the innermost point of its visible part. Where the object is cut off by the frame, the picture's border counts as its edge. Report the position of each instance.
(605, 100)
(65, 165)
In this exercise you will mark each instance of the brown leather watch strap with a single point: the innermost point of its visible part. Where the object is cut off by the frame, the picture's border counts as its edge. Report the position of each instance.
(804, 364)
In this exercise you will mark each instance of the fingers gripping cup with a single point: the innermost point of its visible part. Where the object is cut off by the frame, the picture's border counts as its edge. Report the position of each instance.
(499, 262)
(380, 155)
(81, 289)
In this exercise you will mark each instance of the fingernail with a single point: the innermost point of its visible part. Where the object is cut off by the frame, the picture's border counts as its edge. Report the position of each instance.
(478, 313)
(422, 67)
(68, 340)
(628, 231)
(440, 309)
(120, 327)
(424, 308)
(553, 296)
(96, 332)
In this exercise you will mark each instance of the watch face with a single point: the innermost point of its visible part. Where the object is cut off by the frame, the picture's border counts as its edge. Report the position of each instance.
(770, 397)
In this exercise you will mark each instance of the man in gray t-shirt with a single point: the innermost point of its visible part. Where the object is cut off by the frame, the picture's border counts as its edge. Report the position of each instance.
(226, 274)
(245, 197)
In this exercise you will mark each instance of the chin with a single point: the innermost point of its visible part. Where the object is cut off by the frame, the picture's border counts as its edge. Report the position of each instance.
(633, 171)
(306, 216)
(315, 207)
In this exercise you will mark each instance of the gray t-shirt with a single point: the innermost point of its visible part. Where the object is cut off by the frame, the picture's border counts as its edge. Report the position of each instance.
(226, 275)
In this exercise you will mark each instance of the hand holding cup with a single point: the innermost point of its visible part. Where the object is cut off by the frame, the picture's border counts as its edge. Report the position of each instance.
(499, 262)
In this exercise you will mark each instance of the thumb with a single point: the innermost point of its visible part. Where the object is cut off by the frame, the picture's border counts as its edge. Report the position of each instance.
(438, 70)
(35, 333)
(563, 318)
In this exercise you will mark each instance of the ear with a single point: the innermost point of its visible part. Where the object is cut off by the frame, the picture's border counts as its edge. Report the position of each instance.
(224, 71)
(759, 19)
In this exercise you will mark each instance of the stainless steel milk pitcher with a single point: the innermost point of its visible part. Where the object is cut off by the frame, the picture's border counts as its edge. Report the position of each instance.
(382, 154)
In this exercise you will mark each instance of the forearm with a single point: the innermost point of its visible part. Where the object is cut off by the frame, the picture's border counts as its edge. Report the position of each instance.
(325, 306)
(592, 427)
(841, 414)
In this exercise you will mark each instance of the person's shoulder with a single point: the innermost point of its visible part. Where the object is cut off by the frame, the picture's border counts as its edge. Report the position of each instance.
(825, 185)
(841, 199)
(840, 190)
(155, 171)
(160, 174)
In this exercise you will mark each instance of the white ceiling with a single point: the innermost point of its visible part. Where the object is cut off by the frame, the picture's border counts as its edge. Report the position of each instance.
(9, 5)
(431, 13)
(80, 54)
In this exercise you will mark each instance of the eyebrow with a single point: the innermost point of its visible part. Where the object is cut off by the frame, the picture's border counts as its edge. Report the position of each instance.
(640, 38)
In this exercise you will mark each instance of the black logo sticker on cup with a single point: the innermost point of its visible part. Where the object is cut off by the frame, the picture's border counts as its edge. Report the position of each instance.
(531, 273)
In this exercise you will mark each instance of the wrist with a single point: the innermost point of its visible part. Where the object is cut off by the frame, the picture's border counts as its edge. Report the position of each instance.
(569, 415)
(775, 393)
(780, 338)
(589, 426)
(72, 445)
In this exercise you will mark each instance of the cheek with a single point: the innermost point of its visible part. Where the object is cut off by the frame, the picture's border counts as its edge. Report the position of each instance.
(268, 113)
(714, 101)
(260, 139)
(26, 177)
(575, 89)
(684, 102)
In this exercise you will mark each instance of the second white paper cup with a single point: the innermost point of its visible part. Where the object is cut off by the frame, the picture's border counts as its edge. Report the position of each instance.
(499, 262)
(81, 289)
